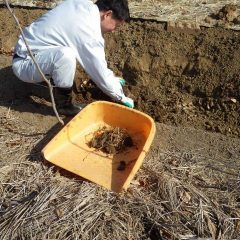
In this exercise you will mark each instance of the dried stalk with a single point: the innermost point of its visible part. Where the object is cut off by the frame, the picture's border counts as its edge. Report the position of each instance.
(35, 62)
(158, 202)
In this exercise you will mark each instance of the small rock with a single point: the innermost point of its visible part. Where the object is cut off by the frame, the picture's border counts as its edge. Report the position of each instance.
(233, 100)
(121, 166)
(208, 20)
(107, 213)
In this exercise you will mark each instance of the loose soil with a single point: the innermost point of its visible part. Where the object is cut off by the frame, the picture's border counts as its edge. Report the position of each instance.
(188, 186)
(183, 79)
(180, 79)
(111, 140)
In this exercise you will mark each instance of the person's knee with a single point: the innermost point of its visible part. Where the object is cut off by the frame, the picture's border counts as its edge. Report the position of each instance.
(67, 56)
(20, 70)
(64, 68)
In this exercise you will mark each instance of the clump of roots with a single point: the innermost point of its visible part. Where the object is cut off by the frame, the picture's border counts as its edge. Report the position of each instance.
(111, 140)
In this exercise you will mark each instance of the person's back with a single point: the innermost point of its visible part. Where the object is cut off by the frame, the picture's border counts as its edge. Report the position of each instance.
(71, 24)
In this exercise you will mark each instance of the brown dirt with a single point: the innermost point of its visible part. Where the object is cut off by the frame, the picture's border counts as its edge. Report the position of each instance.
(188, 82)
(184, 79)
(111, 140)
(179, 78)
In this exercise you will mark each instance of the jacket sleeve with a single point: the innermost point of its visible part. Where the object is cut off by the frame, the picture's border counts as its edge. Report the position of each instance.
(94, 62)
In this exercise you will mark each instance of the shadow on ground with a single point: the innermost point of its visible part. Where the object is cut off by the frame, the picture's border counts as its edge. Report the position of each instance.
(36, 155)
(17, 94)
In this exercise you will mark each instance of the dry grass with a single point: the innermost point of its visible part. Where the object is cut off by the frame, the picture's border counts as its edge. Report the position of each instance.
(174, 196)
(110, 140)
(15, 142)
(194, 11)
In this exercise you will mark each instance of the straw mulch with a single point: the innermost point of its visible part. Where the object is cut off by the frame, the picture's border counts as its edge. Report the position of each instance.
(172, 197)
(175, 195)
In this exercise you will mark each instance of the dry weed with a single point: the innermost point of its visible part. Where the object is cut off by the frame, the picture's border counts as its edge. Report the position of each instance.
(175, 195)
(164, 202)
(110, 140)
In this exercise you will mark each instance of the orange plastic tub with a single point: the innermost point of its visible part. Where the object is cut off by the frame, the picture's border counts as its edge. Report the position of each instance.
(69, 149)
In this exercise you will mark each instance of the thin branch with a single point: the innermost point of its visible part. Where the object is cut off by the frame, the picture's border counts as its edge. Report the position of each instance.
(35, 62)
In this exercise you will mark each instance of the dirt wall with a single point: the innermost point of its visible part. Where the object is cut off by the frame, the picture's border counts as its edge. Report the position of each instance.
(184, 78)
(188, 79)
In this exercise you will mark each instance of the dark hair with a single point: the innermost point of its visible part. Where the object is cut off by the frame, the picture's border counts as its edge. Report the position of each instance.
(119, 8)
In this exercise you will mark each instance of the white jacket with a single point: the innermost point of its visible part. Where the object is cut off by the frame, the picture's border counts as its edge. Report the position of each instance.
(75, 24)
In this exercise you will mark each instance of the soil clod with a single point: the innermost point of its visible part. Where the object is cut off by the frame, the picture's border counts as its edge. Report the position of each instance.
(111, 140)
(121, 166)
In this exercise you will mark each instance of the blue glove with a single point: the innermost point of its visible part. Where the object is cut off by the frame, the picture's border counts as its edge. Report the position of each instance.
(122, 81)
(128, 102)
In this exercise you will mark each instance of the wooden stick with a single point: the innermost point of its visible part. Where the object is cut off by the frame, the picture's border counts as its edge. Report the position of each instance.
(35, 62)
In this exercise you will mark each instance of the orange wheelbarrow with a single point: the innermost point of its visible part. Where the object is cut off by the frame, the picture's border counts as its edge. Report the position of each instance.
(70, 151)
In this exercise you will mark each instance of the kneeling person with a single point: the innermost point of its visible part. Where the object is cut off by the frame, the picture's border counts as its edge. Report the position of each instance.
(73, 31)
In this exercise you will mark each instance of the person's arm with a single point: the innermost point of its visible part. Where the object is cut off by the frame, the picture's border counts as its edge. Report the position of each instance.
(94, 63)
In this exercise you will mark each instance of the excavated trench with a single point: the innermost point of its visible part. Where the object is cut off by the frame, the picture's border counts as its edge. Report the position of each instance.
(186, 78)
(179, 78)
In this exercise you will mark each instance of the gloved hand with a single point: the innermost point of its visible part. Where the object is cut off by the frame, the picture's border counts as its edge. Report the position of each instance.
(122, 81)
(128, 102)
